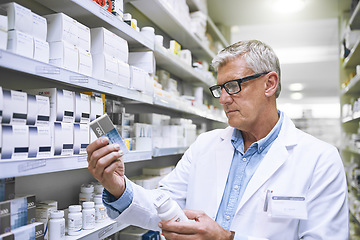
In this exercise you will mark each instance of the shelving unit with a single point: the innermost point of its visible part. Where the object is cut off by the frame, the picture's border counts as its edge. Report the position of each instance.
(25, 72)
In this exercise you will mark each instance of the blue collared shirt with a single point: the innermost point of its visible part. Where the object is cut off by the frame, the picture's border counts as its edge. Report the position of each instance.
(243, 167)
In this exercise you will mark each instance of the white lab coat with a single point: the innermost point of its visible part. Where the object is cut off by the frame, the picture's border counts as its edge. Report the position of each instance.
(297, 164)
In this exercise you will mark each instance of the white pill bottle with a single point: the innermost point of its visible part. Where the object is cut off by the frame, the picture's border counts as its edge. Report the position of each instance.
(57, 225)
(168, 209)
(74, 220)
(88, 215)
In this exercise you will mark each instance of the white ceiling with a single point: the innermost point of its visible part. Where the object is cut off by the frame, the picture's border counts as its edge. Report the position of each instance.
(307, 42)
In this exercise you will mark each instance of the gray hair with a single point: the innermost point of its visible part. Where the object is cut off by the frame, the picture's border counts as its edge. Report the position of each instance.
(259, 56)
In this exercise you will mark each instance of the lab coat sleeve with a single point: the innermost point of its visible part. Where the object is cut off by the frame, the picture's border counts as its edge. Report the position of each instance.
(327, 203)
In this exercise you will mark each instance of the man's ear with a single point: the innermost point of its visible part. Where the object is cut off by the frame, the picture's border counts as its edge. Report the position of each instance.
(271, 84)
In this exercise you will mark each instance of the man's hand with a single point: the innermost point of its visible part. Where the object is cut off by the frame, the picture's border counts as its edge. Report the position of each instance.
(204, 228)
(105, 163)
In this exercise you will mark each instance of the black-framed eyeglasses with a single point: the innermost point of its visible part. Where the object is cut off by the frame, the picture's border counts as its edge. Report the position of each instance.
(233, 86)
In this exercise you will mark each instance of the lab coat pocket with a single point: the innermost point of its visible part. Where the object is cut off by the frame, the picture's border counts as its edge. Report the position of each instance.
(287, 207)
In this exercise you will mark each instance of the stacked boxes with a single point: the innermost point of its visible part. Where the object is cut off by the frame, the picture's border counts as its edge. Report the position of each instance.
(26, 32)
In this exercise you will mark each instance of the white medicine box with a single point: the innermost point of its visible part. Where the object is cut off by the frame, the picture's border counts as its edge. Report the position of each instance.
(63, 138)
(85, 62)
(38, 110)
(39, 27)
(61, 103)
(81, 138)
(41, 50)
(64, 55)
(96, 108)
(62, 28)
(20, 43)
(3, 32)
(82, 108)
(105, 67)
(123, 78)
(14, 107)
(19, 18)
(143, 60)
(15, 142)
(39, 141)
(104, 41)
(137, 78)
(84, 37)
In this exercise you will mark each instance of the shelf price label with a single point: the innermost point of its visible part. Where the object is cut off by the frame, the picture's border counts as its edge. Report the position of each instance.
(78, 79)
(105, 84)
(105, 231)
(31, 164)
(47, 70)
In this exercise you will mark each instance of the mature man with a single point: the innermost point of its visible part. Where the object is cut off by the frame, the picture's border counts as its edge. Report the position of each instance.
(260, 178)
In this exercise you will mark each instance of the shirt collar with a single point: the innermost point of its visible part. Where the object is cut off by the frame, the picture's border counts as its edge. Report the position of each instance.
(238, 141)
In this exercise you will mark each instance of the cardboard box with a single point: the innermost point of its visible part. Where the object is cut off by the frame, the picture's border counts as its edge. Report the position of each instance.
(82, 108)
(39, 27)
(15, 142)
(20, 43)
(3, 32)
(39, 141)
(85, 62)
(123, 78)
(143, 60)
(41, 50)
(96, 100)
(81, 138)
(14, 107)
(118, 8)
(31, 231)
(38, 110)
(104, 41)
(19, 18)
(63, 138)
(61, 103)
(84, 36)
(64, 55)
(137, 79)
(43, 215)
(62, 28)
(160, 171)
(3, 23)
(105, 67)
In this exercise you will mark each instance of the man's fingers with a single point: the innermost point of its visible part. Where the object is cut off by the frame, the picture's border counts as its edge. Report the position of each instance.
(105, 161)
(98, 143)
(193, 214)
(101, 152)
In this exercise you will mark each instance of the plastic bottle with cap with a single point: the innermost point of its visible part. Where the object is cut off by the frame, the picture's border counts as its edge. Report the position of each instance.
(74, 220)
(56, 225)
(100, 210)
(86, 193)
(88, 215)
(168, 209)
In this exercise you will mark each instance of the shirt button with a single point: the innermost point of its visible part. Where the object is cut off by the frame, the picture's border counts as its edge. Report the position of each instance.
(236, 187)
(227, 217)
(244, 159)
(261, 148)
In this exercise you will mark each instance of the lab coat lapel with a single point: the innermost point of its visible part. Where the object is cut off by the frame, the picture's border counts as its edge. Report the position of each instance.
(224, 155)
(273, 160)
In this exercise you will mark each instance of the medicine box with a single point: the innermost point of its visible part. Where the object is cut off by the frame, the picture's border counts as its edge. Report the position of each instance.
(39, 27)
(82, 107)
(143, 60)
(123, 78)
(32, 231)
(39, 141)
(132, 233)
(61, 103)
(3, 32)
(43, 215)
(38, 110)
(175, 47)
(7, 188)
(118, 8)
(85, 62)
(63, 138)
(84, 37)
(81, 138)
(19, 18)
(15, 142)
(137, 78)
(41, 50)
(20, 43)
(105, 67)
(142, 143)
(160, 171)
(64, 55)
(104, 41)
(62, 28)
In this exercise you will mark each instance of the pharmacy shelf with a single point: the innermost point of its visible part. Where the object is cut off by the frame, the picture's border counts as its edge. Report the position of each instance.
(173, 64)
(353, 87)
(162, 15)
(26, 167)
(354, 57)
(158, 152)
(101, 231)
(215, 32)
(175, 104)
(354, 117)
(30, 66)
(92, 15)
(354, 21)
